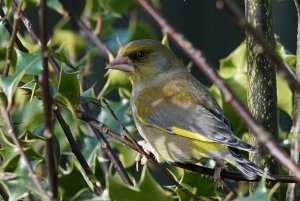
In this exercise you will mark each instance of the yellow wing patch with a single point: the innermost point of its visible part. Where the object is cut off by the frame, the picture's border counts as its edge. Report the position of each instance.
(178, 131)
(189, 134)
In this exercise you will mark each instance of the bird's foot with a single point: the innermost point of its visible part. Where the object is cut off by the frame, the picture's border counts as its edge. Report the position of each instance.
(220, 165)
(139, 157)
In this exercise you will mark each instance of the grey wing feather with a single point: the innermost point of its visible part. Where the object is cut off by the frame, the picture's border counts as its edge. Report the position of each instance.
(211, 124)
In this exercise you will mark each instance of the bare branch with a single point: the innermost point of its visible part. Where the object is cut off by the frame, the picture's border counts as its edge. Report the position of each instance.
(76, 150)
(200, 61)
(35, 38)
(13, 36)
(47, 100)
(91, 34)
(9, 28)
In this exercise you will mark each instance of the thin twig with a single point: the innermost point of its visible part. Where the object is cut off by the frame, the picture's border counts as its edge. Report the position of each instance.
(13, 36)
(200, 61)
(27, 23)
(76, 150)
(91, 34)
(29, 28)
(192, 167)
(47, 100)
(33, 176)
(163, 171)
(265, 47)
(9, 28)
(112, 157)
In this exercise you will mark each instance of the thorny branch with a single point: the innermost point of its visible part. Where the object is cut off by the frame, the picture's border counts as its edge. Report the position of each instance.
(92, 35)
(47, 100)
(9, 48)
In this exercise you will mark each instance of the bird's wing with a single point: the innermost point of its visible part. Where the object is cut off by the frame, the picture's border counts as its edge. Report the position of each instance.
(196, 123)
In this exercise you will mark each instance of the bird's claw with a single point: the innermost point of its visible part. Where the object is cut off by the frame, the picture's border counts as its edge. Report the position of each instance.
(139, 157)
(217, 174)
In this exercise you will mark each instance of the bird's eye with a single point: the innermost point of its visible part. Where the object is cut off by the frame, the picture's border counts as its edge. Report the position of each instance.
(139, 55)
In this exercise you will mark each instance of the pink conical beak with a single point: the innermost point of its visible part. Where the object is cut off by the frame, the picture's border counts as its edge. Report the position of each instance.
(122, 63)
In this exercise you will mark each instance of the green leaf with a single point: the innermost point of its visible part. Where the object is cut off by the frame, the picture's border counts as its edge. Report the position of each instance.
(8, 3)
(67, 178)
(126, 155)
(116, 6)
(120, 109)
(3, 59)
(196, 185)
(147, 189)
(261, 193)
(116, 80)
(9, 84)
(30, 62)
(233, 69)
(284, 94)
(165, 41)
(68, 91)
(89, 96)
(72, 42)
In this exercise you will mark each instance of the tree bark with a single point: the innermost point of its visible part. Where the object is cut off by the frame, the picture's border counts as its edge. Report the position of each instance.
(261, 91)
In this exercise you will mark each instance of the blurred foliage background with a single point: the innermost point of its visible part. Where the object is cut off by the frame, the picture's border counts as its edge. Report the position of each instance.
(84, 78)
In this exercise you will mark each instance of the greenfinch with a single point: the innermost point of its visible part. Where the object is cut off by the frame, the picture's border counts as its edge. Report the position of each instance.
(175, 114)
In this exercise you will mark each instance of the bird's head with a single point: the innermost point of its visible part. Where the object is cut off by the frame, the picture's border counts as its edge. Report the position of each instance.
(144, 59)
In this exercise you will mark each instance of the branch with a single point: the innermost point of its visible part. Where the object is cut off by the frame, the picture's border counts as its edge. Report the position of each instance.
(265, 47)
(9, 28)
(112, 157)
(92, 35)
(13, 36)
(47, 100)
(76, 150)
(33, 176)
(29, 28)
(200, 61)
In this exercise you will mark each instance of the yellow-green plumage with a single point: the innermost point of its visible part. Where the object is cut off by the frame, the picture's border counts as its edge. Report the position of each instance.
(174, 112)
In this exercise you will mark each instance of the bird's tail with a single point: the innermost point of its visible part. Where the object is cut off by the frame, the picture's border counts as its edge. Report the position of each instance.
(245, 166)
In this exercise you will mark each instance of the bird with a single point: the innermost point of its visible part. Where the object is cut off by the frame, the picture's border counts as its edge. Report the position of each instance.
(179, 120)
